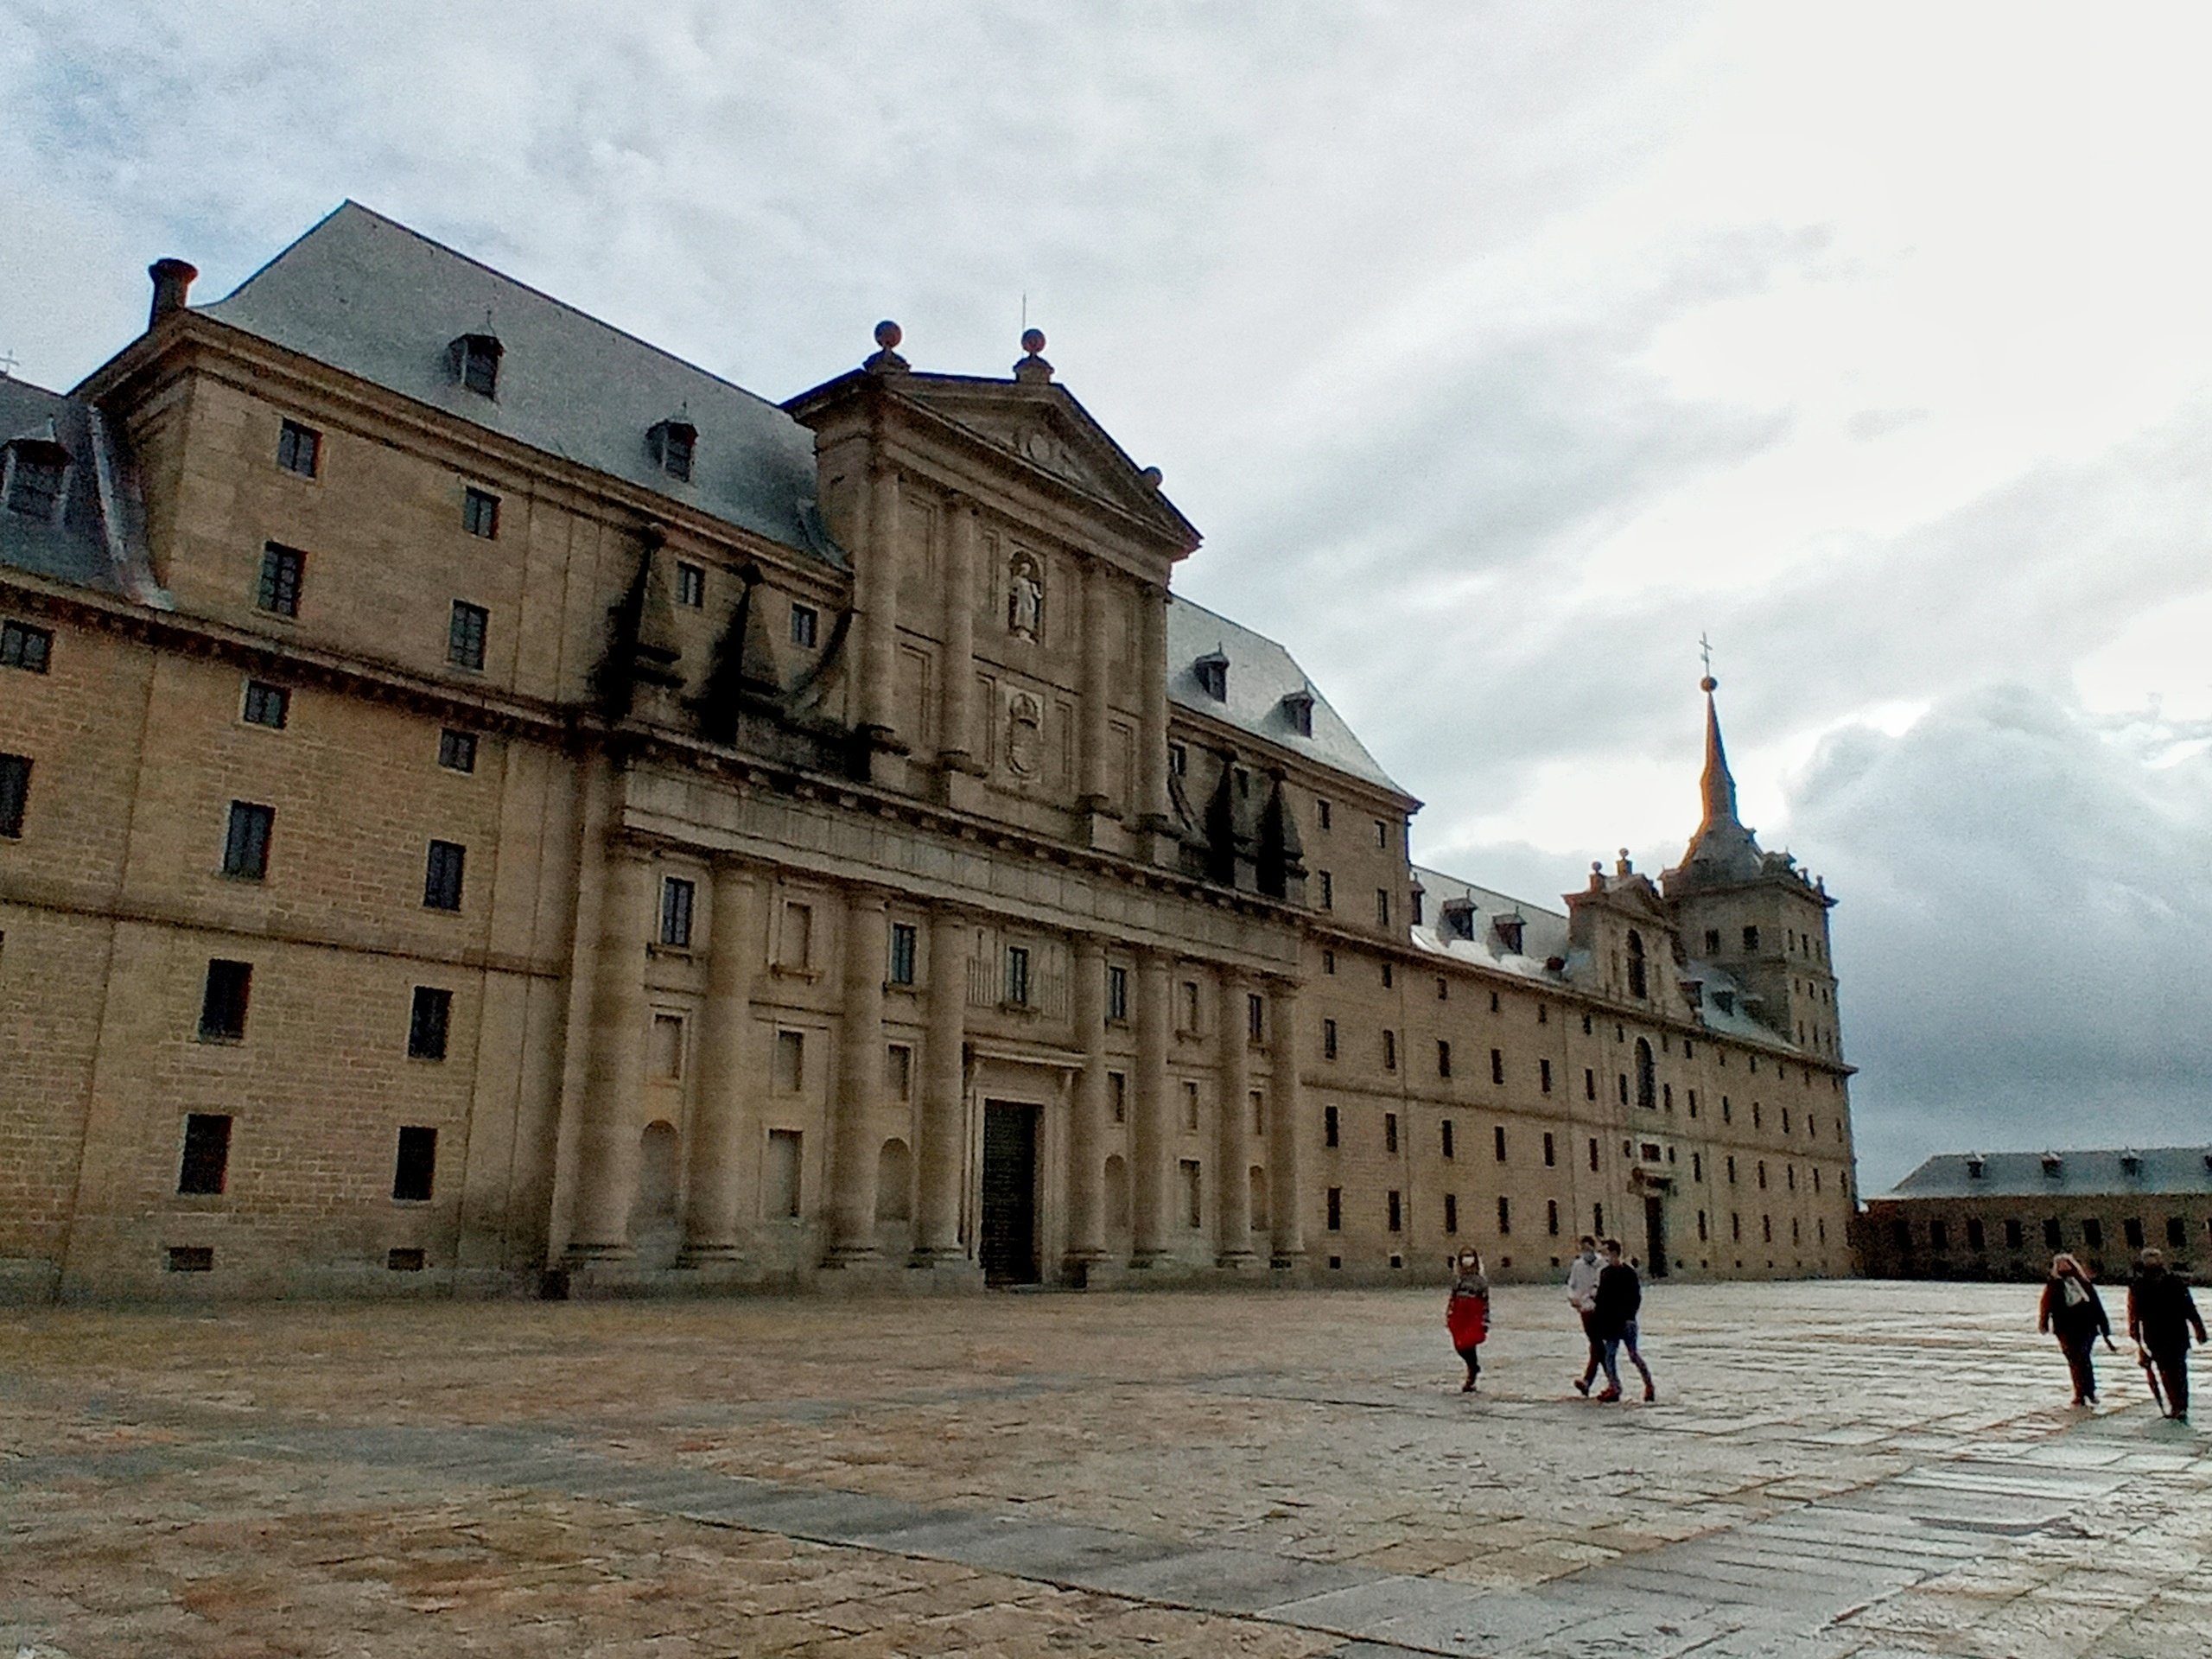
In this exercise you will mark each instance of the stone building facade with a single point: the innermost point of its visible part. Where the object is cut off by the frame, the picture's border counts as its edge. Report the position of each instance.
(486, 804)
(2003, 1215)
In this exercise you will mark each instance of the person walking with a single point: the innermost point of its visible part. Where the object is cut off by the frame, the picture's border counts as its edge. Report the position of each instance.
(2161, 1314)
(2073, 1313)
(1582, 1296)
(1467, 1313)
(1619, 1299)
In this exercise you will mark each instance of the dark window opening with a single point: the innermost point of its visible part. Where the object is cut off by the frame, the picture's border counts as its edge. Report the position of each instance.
(1443, 1059)
(282, 570)
(1450, 1213)
(223, 1000)
(204, 1168)
(245, 845)
(1336, 1214)
(1330, 1129)
(403, 1258)
(466, 633)
(676, 900)
(25, 647)
(34, 483)
(905, 940)
(266, 705)
(1396, 1212)
(476, 363)
(428, 1021)
(457, 750)
(15, 794)
(441, 875)
(416, 1168)
(1446, 1132)
(299, 448)
(1390, 1133)
(191, 1258)
(1497, 1141)
(806, 624)
(690, 586)
(479, 513)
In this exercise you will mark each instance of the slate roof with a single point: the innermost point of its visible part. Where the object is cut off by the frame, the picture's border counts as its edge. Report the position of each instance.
(2159, 1170)
(366, 295)
(1544, 932)
(1260, 675)
(98, 539)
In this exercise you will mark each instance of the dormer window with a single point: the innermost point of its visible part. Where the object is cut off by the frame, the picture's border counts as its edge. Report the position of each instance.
(672, 443)
(1725, 1000)
(475, 362)
(2131, 1163)
(36, 470)
(1298, 706)
(1212, 671)
(2051, 1165)
(1508, 929)
(1974, 1167)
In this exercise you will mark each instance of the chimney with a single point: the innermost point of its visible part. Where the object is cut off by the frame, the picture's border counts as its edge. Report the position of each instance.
(172, 278)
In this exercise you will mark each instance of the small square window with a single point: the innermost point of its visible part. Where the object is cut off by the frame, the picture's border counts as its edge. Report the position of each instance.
(690, 586)
(15, 794)
(266, 705)
(299, 448)
(806, 625)
(480, 512)
(906, 939)
(204, 1168)
(281, 571)
(428, 1023)
(246, 845)
(191, 1258)
(676, 896)
(25, 647)
(414, 1170)
(457, 750)
(441, 875)
(465, 635)
(223, 1002)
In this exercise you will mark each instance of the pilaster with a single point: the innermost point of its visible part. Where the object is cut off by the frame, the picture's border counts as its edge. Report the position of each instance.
(859, 1085)
(1232, 1139)
(1087, 1122)
(723, 1113)
(614, 1078)
(1149, 1144)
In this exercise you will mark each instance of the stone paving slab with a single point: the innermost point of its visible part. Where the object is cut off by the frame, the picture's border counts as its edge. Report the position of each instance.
(1164, 1474)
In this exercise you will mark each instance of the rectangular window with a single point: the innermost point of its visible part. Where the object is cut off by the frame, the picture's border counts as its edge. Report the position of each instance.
(1544, 1077)
(414, 1172)
(1382, 833)
(1598, 1219)
(35, 485)
(1258, 1113)
(1330, 1127)
(457, 750)
(1505, 1215)
(2131, 1229)
(1328, 1040)
(899, 1071)
(906, 942)
(441, 875)
(428, 1023)
(1321, 811)
(1589, 1084)
(25, 647)
(204, 1168)
(403, 1258)
(1190, 1008)
(677, 897)
(15, 794)
(1497, 1065)
(1193, 1215)
(191, 1258)
(664, 1051)
(1117, 1087)
(1381, 906)
(1751, 938)
(1732, 1169)
(791, 1061)
(1178, 760)
(796, 946)
(1117, 994)
(281, 571)
(223, 1002)
(1017, 977)
(779, 1181)
(1190, 1107)
(1390, 1051)
(1497, 1141)
(1390, 1133)
(465, 634)
(1551, 1151)
(690, 586)
(1443, 1057)
(2177, 1232)
(1450, 1213)
(266, 705)
(2013, 1238)
(246, 843)
(1328, 892)
(1443, 988)
(1328, 962)
(1336, 1209)
(479, 513)
(1593, 1154)
(1255, 1017)
(2051, 1239)
(1697, 1165)
(1396, 1212)
(806, 625)
(299, 448)
(1974, 1233)
(1551, 1217)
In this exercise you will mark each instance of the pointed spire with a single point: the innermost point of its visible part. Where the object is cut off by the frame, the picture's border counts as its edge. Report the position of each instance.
(1718, 787)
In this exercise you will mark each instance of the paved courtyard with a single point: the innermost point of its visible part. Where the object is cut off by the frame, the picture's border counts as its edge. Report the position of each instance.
(1831, 1468)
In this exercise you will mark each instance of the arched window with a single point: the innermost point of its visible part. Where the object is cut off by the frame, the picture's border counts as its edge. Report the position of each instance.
(1647, 1081)
(1637, 981)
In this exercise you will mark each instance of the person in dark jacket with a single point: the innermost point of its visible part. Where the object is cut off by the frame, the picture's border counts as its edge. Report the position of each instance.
(2074, 1313)
(1612, 1320)
(2161, 1314)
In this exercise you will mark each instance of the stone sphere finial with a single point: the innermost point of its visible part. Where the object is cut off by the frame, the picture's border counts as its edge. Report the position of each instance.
(1033, 341)
(1708, 685)
(888, 334)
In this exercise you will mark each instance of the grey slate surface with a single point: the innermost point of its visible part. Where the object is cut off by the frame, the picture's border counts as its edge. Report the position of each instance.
(75, 548)
(2160, 1170)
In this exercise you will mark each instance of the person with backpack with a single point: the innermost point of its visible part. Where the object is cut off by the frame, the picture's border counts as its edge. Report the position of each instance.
(2074, 1313)
(1466, 1314)
(2161, 1314)
(1619, 1299)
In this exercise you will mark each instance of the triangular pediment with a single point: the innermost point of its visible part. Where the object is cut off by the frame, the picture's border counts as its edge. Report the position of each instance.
(1045, 427)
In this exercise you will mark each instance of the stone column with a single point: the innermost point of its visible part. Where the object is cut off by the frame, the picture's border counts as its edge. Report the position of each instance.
(1152, 759)
(854, 1120)
(722, 1116)
(1149, 1145)
(1232, 1131)
(875, 596)
(614, 1074)
(957, 685)
(1087, 1122)
(941, 1154)
(1287, 1129)
(1098, 600)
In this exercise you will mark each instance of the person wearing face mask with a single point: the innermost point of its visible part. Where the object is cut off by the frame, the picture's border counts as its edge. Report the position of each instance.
(1467, 1313)
(1582, 1296)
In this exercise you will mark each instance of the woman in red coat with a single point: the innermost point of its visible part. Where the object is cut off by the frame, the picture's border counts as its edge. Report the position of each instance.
(1466, 1315)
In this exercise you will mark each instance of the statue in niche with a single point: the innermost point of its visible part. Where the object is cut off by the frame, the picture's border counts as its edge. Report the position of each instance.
(1025, 599)
(1025, 735)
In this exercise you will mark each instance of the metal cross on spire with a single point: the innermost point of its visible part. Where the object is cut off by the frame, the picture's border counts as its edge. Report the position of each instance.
(1705, 651)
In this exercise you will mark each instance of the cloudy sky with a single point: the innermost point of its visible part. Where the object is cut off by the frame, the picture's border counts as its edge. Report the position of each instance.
(1499, 351)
